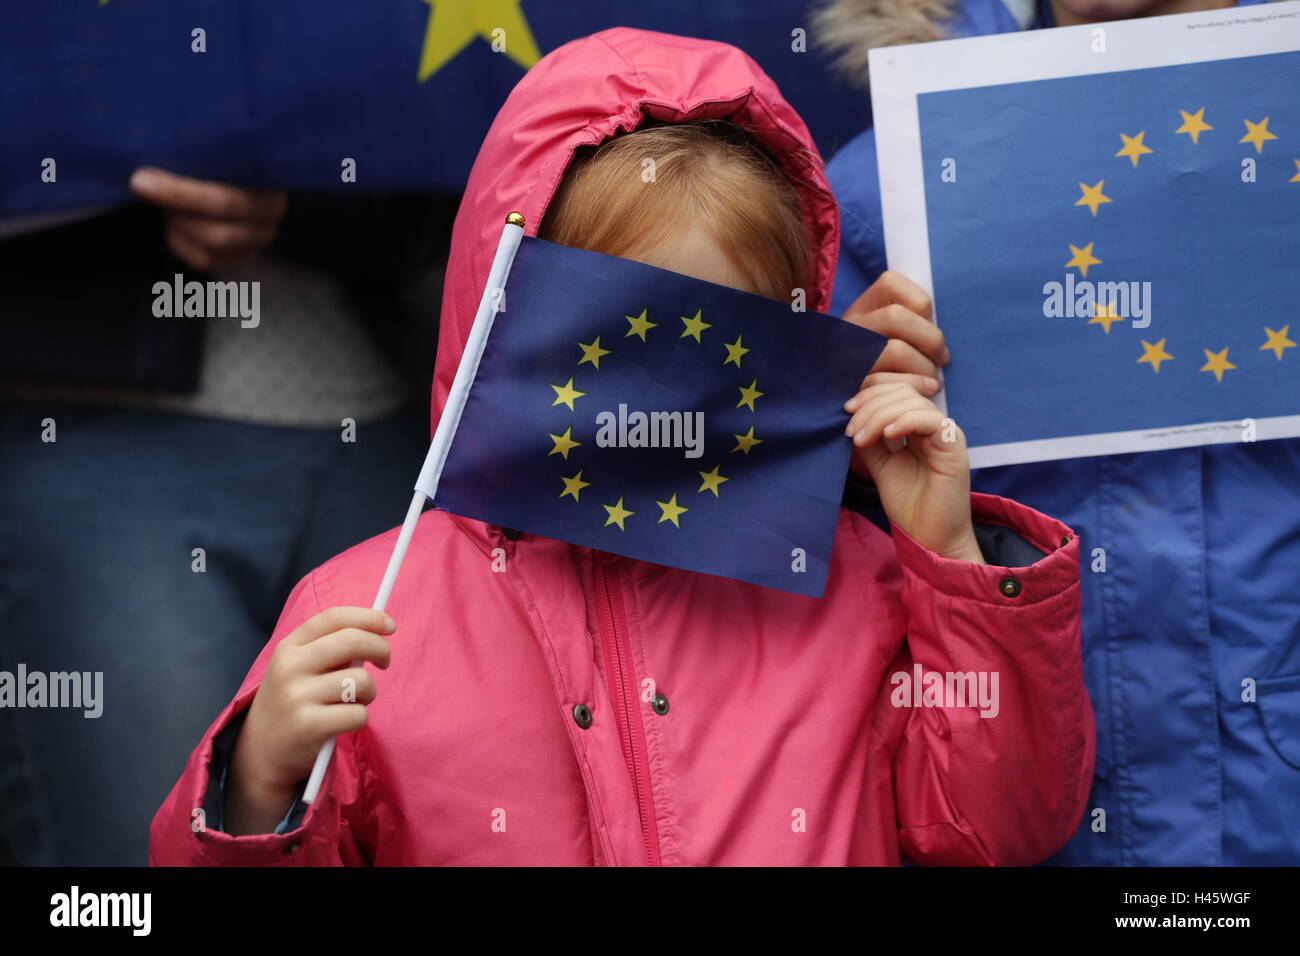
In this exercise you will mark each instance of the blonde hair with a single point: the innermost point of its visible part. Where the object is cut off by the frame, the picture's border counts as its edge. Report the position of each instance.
(709, 172)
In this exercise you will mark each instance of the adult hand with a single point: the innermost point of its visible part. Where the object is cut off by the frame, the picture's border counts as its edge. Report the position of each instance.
(211, 225)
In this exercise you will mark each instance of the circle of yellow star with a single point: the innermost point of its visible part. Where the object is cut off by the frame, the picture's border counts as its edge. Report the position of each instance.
(1278, 341)
(1154, 354)
(592, 352)
(1083, 258)
(1257, 134)
(617, 515)
(1092, 197)
(1105, 315)
(735, 351)
(671, 511)
(1133, 147)
(746, 441)
(1216, 362)
(749, 394)
(565, 394)
(1296, 177)
(640, 325)
(1194, 124)
(573, 486)
(712, 480)
(454, 24)
(563, 444)
(694, 326)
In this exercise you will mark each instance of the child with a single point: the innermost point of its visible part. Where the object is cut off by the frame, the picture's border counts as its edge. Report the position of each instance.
(1192, 588)
(583, 708)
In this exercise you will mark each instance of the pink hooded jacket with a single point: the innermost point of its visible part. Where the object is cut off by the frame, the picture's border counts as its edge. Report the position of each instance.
(582, 708)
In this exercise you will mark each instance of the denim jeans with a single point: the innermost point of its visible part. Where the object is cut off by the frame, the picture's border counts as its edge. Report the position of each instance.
(98, 574)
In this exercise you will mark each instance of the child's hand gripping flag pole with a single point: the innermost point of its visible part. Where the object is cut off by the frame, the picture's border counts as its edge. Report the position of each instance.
(427, 484)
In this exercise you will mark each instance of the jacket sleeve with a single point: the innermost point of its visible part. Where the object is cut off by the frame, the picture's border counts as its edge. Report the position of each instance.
(185, 829)
(1004, 781)
(854, 179)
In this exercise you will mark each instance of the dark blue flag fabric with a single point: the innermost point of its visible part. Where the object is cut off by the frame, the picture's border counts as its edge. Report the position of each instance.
(279, 93)
(1121, 251)
(649, 414)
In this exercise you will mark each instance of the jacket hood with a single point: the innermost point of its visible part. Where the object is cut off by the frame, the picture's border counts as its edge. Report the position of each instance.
(580, 95)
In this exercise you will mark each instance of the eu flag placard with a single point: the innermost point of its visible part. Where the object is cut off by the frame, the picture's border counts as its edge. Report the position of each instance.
(1113, 250)
(645, 413)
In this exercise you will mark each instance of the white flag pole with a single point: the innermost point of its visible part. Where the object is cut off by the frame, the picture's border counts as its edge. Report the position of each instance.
(426, 485)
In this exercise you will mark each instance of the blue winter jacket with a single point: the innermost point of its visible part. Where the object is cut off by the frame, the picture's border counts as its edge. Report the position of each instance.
(1191, 599)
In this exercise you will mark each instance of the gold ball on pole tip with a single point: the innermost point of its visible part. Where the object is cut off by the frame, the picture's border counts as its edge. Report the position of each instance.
(515, 219)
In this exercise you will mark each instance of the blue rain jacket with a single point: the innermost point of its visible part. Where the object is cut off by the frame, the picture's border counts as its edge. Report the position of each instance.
(1191, 600)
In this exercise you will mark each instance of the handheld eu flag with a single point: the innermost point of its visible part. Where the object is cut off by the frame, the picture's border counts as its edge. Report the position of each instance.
(628, 409)
(646, 413)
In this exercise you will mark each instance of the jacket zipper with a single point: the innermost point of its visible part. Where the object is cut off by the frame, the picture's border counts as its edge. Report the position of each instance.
(619, 655)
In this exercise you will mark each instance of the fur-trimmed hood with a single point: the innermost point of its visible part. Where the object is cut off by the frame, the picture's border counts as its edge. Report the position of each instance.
(848, 29)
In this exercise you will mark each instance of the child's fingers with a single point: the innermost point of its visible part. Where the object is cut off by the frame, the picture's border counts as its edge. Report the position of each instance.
(900, 356)
(897, 321)
(351, 685)
(869, 411)
(896, 287)
(873, 427)
(890, 287)
(874, 393)
(867, 401)
(337, 719)
(922, 422)
(871, 419)
(925, 384)
(337, 618)
(345, 646)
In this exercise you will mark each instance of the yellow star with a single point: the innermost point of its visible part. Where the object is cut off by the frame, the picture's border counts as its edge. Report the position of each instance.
(712, 481)
(573, 486)
(1216, 362)
(1083, 258)
(1296, 177)
(1194, 124)
(735, 351)
(566, 393)
(454, 24)
(617, 515)
(1105, 315)
(640, 325)
(1092, 197)
(1256, 134)
(1154, 354)
(671, 511)
(746, 441)
(1133, 147)
(694, 326)
(748, 394)
(563, 444)
(592, 353)
(1278, 341)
